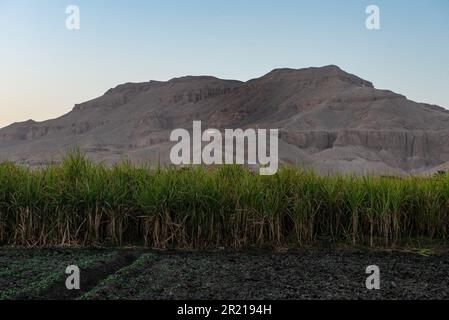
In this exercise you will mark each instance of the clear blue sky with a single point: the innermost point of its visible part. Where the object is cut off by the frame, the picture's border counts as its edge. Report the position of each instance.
(45, 69)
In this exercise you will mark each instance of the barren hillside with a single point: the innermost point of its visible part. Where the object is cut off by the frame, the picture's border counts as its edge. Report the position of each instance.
(330, 120)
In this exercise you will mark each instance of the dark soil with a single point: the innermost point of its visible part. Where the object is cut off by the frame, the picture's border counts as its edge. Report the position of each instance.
(295, 275)
(90, 277)
(25, 273)
(308, 274)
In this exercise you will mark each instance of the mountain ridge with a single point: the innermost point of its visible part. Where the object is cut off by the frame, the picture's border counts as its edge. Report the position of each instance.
(329, 120)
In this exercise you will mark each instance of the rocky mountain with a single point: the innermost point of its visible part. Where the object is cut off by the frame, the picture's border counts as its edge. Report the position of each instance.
(329, 120)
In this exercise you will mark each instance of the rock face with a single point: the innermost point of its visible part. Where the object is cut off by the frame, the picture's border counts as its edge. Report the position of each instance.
(329, 120)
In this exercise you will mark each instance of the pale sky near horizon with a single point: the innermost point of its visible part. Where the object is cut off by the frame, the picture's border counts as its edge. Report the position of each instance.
(45, 69)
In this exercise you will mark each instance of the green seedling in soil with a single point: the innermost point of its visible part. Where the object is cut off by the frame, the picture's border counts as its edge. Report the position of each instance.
(34, 289)
(118, 278)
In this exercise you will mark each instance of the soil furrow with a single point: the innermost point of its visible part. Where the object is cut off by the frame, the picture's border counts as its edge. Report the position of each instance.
(90, 277)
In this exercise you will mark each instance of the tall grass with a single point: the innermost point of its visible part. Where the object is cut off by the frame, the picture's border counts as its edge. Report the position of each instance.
(81, 203)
